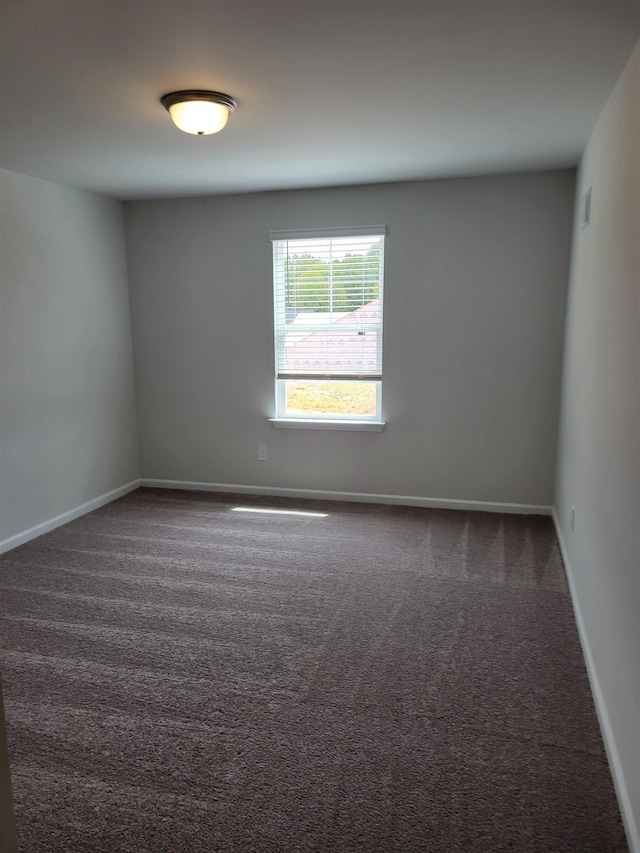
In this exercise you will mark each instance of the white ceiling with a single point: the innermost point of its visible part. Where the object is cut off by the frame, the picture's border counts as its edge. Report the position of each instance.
(329, 93)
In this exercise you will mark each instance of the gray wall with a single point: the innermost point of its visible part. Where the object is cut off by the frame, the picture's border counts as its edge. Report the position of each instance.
(599, 447)
(476, 277)
(67, 407)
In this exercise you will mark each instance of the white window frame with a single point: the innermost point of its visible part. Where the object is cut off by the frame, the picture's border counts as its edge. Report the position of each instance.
(335, 421)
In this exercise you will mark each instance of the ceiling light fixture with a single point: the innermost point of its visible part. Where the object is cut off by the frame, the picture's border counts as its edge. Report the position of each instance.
(198, 111)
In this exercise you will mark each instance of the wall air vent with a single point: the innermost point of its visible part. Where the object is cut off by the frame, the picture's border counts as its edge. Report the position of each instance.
(586, 210)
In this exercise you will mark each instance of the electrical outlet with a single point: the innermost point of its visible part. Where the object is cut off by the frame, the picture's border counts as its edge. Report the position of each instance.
(262, 452)
(573, 519)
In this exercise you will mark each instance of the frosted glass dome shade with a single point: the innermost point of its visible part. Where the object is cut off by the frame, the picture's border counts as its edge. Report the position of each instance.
(199, 113)
(199, 117)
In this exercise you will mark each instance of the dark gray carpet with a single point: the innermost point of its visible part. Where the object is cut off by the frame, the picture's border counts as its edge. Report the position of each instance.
(181, 677)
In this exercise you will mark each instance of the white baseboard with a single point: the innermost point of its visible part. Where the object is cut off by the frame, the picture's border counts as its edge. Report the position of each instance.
(357, 497)
(624, 800)
(65, 517)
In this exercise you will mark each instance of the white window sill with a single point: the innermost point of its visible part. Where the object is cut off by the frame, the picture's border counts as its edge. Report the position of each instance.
(310, 423)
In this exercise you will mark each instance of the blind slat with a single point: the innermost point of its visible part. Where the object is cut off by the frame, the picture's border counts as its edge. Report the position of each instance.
(342, 377)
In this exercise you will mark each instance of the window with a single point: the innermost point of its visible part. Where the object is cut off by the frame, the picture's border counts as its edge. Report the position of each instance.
(328, 288)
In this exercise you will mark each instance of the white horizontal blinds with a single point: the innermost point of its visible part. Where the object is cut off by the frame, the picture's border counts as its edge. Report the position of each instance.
(328, 305)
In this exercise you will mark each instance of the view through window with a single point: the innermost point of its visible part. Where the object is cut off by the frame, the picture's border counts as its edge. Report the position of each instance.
(328, 296)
